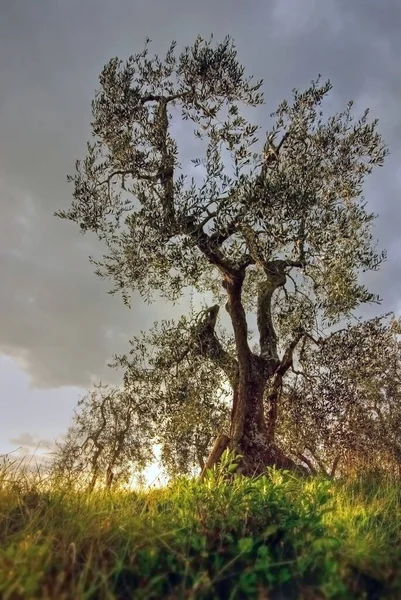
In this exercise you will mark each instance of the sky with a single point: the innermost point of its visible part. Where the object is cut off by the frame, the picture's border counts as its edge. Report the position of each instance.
(58, 326)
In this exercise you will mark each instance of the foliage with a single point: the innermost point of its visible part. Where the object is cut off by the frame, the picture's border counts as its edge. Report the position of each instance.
(226, 537)
(302, 205)
(179, 409)
(184, 393)
(340, 407)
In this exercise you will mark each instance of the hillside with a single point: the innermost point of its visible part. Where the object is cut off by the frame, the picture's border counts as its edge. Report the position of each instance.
(227, 537)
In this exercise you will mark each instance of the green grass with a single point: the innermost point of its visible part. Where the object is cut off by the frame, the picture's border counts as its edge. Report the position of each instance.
(227, 537)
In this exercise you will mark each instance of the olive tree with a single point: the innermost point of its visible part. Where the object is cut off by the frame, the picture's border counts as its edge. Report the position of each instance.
(184, 394)
(274, 224)
(342, 408)
(179, 411)
(108, 441)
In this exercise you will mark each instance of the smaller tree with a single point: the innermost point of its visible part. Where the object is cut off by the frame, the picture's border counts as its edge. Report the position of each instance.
(108, 441)
(172, 399)
(185, 396)
(342, 410)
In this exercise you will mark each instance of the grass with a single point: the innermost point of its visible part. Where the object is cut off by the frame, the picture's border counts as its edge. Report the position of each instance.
(277, 537)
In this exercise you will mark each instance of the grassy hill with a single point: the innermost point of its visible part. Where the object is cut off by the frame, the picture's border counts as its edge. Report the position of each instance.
(226, 537)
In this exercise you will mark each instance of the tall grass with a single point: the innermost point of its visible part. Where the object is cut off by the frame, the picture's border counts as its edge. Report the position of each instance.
(226, 537)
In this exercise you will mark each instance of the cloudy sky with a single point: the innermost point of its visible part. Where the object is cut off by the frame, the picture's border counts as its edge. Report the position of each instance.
(58, 326)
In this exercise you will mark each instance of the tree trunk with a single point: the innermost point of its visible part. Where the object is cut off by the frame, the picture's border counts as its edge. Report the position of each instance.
(256, 444)
(250, 435)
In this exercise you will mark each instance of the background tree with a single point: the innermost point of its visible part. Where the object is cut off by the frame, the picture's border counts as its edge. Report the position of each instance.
(184, 395)
(342, 410)
(108, 441)
(278, 227)
(180, 410)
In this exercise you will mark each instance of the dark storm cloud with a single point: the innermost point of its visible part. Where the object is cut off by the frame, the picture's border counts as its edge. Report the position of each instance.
(55, 314)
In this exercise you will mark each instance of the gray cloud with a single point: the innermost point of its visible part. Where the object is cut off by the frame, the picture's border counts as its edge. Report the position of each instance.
(29, 441)
(55, 315)
(30, 453)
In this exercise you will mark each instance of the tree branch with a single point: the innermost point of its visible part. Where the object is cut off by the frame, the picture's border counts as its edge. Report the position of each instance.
(208, 345)
(334, 466)
(124, 173)
(275, 278)
(271, 154)
(277, 383)
(267, 333)
(232, 283)
(219, 237)
(318, 461)
(308, 462)
(161, 98)
(208, 248)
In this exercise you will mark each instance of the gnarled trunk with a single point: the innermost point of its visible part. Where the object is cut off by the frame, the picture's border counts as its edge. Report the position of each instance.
(250, 435)
(256, 444)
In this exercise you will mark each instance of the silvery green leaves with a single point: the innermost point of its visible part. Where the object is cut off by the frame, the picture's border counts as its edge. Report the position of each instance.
(299, 194)
(108, 441)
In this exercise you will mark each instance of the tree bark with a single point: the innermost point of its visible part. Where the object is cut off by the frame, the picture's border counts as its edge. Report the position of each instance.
(256, 444)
